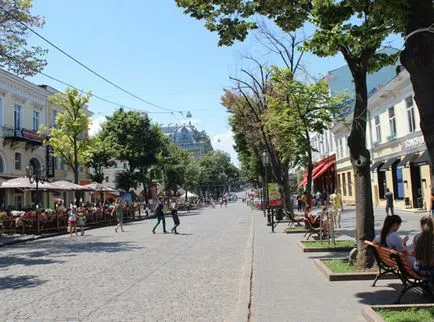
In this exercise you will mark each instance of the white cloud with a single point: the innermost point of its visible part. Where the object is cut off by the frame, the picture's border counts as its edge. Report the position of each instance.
(95, 126)
(225, 142)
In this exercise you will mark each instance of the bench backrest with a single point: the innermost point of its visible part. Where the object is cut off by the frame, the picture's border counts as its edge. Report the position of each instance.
(383, 254)
(406, 268)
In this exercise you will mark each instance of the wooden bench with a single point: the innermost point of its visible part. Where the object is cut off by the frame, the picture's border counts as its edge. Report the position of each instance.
(310, 229)
(392, 261)
(294, 220)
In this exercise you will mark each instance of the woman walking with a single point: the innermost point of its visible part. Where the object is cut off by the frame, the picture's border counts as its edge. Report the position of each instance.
(72, 221)
(175, 218)
(119, 215)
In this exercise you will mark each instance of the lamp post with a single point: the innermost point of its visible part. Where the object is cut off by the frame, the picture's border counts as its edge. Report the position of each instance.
(265, 158)
(36, 176)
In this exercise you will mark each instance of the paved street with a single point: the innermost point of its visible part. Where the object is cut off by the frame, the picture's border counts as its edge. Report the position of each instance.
(200, 275)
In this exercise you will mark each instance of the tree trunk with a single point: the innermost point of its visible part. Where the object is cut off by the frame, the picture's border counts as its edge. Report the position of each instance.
(418, 59)
(360, 159)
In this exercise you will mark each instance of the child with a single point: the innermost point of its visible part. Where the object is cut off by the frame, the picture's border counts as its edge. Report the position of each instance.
(175, 219)
(81, 222)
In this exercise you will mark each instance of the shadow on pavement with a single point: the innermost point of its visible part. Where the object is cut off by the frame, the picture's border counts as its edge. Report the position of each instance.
(191, 213)
(15, 282)
(391, 296)
(6, 261)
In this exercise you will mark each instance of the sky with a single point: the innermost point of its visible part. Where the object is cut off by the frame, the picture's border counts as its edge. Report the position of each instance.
(152, 49)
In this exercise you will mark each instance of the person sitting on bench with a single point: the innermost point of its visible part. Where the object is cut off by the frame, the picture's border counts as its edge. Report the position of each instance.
(389, 237)
(315, 219)
(423, 249)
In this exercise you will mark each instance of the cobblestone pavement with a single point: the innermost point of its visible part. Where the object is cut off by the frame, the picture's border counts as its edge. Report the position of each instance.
(131, 276)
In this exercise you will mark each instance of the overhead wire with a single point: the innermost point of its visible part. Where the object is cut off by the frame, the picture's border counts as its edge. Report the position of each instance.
(84, 66)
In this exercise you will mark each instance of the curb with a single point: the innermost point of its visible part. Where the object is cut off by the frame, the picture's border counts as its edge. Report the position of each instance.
(336, 277)
(371, 316)
(305, 249)
(242, 309)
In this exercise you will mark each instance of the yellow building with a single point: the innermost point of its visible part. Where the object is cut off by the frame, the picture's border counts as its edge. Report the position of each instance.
(399, 158)
(23, 109)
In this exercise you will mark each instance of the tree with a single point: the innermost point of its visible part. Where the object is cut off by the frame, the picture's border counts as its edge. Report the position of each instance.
(97, 157)
(297, 109)
(354, 28)
(14, 55)
(134, 139)
(418, 59)
(69, 140)
(192, 173)
(203, 139)
(215, 169)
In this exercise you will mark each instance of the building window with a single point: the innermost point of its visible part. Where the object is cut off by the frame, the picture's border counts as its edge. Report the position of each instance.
(18, 201)
(350, 184)
(53, 119)
(17, 117)
(377, 128)
(392, 122)
(106, 179)
(410, 114)
(381, 176)
(17, 161)
(35, 121)
(399, 182)
(344, 184)
(115, 165)
(125, 165)
(1, 111)
(2, 169)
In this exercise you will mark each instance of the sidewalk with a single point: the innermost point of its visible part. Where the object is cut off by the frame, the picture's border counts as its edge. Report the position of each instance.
(287, 286)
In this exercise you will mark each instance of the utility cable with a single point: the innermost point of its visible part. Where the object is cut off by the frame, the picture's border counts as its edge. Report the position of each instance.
(83, 65)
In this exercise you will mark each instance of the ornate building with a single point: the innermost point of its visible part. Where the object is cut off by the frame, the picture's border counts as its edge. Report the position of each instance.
(187, 137)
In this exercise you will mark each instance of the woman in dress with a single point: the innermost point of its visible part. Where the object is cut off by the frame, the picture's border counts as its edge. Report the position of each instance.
(119, 215)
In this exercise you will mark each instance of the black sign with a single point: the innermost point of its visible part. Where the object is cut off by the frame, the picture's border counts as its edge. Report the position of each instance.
(50, 161)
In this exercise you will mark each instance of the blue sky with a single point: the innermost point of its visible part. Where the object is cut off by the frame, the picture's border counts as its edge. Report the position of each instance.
(153, 50)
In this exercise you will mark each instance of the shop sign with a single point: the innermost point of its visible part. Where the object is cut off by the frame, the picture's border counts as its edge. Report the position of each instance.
(31, 135)
(274, 196)
(411, 143)
(50, 161)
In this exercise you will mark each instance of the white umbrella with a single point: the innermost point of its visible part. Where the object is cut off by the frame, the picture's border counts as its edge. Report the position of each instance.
(191, 195)
(24, 183)
(98, 187)
(66, 185)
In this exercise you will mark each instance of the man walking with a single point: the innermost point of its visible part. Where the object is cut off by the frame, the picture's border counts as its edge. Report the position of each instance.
(160, 215)
(389, 201)
(337, 207)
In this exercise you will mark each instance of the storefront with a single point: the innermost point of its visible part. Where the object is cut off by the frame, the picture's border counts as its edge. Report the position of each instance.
(323, 176)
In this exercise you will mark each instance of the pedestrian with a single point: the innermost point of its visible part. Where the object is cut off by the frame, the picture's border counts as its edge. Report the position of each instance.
(337, 207)
(117, 209)
(317, 199)
(324, 198)
(160, 215)
(175, 218)
(72, 221)
(81, 222)
(389, 201)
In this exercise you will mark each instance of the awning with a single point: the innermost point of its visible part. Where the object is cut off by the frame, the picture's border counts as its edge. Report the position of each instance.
(387, 164)
(376, 164)
(406, 160)
(423, 159)
(326, 166)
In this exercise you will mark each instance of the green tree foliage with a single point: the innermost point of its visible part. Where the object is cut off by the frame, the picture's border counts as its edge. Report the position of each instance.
(174, 163)
(216, 172)
(191, 176)
(14, 52)
(297, 109)
(354, 28)
(203, 138)
(97, 157)
(133, 138)
(69, 140)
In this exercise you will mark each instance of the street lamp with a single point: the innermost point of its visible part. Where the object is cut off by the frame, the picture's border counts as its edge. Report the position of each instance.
(265, 158)
(36, 176)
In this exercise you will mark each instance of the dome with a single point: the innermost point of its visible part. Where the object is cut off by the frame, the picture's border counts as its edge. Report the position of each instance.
(184, 134)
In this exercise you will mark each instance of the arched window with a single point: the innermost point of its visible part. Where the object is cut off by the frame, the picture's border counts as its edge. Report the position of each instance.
(17, 161)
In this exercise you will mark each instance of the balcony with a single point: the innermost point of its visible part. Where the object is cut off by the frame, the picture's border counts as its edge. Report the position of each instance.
(13, 137)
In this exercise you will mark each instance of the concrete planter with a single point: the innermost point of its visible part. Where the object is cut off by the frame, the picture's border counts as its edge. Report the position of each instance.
(304, 246)
(356, 276)
(368, 311)
(295, 230)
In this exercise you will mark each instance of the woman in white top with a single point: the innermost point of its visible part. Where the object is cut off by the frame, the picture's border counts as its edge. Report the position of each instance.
(389, 237)
(72, 221)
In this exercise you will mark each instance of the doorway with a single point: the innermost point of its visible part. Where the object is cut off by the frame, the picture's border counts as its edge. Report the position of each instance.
(416, 186)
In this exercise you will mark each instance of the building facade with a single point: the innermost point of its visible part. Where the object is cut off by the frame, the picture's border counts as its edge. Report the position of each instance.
(399, 158)
(24, 108)
(185, 136)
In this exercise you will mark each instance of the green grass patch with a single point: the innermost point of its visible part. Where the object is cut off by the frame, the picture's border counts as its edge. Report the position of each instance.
(409, 315)
(326, 243)
(294, 229)
(340, 266)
